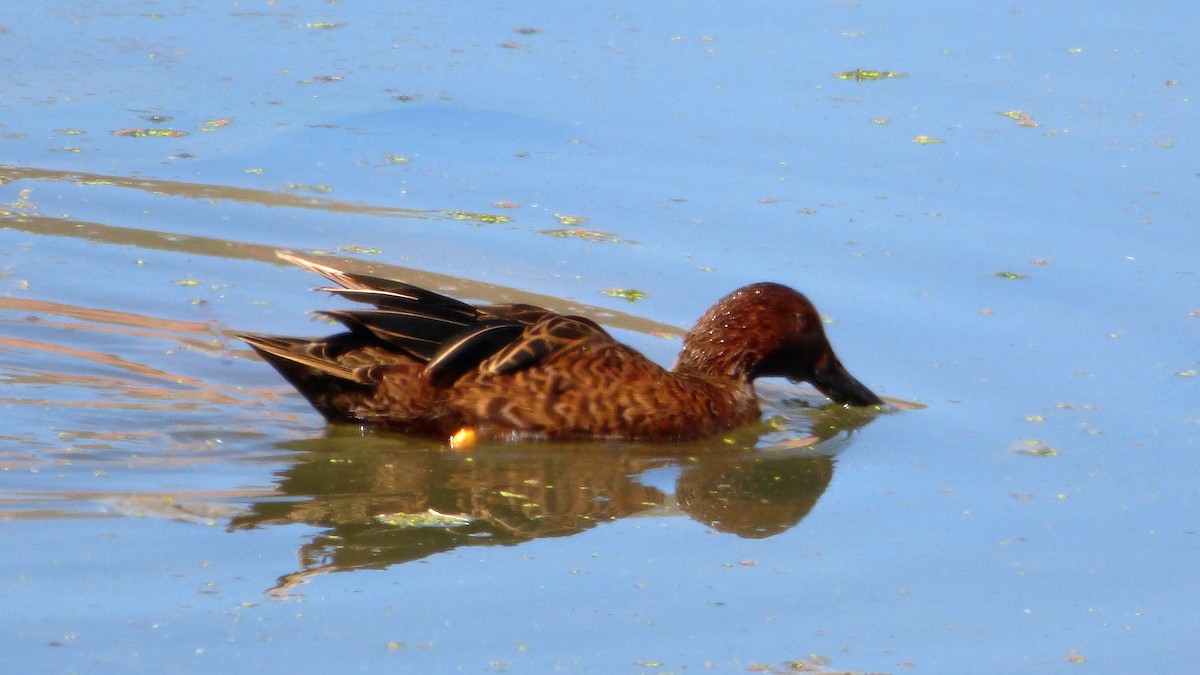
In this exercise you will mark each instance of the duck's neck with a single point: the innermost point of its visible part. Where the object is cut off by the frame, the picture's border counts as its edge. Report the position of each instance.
(709, 351)
(725, 402)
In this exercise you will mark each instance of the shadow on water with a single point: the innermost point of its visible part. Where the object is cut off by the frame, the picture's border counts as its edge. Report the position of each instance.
(381, 500)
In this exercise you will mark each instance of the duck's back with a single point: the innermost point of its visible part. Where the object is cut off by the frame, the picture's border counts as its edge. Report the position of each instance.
(600, 389)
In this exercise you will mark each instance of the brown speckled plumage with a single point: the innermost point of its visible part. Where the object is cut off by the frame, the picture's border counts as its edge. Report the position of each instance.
(427, 364)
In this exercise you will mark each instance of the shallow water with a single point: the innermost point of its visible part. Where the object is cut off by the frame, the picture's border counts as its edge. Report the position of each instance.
(1030, 280)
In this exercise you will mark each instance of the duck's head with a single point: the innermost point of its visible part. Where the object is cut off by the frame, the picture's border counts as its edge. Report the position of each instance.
(770, 330)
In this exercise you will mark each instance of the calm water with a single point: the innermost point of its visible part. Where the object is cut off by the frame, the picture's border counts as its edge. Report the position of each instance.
(1004, 232)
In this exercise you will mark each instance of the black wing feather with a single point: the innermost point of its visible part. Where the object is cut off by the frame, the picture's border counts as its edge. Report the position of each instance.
(416, 333)
(388, 300)
(414, 293)
(464, 352)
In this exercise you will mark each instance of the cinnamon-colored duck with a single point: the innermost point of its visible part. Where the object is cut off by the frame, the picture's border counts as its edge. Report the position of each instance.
(423, 363)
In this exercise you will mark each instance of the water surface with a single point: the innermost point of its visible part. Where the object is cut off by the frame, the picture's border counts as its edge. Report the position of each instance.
(1002, 233)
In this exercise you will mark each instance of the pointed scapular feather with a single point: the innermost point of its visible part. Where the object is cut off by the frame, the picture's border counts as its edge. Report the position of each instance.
(414, 293)
(363, 282)
(416, 333)
(388, 300)
(526, 314)
(538, 341)
(463, 352)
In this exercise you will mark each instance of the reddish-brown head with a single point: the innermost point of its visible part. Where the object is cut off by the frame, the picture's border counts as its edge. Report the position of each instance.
(770, 330)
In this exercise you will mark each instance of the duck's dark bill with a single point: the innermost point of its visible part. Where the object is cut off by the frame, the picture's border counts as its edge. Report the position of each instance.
(833, 380)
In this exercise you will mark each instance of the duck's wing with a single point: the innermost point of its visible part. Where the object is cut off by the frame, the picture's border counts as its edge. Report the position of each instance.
(521, 313)
(416, 333)
(537, 342)
(471, 347)
(451, 337)
(384, 293)
(451, 349)
(419, 322)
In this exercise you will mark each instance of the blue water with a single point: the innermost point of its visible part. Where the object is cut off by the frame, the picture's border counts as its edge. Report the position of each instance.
(172, 506)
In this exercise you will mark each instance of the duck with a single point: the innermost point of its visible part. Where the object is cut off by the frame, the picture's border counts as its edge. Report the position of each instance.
(420, 363)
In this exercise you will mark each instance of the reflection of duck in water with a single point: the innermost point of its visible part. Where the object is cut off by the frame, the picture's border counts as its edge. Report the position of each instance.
(755, 496)
(379, 504)
(427, 364)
